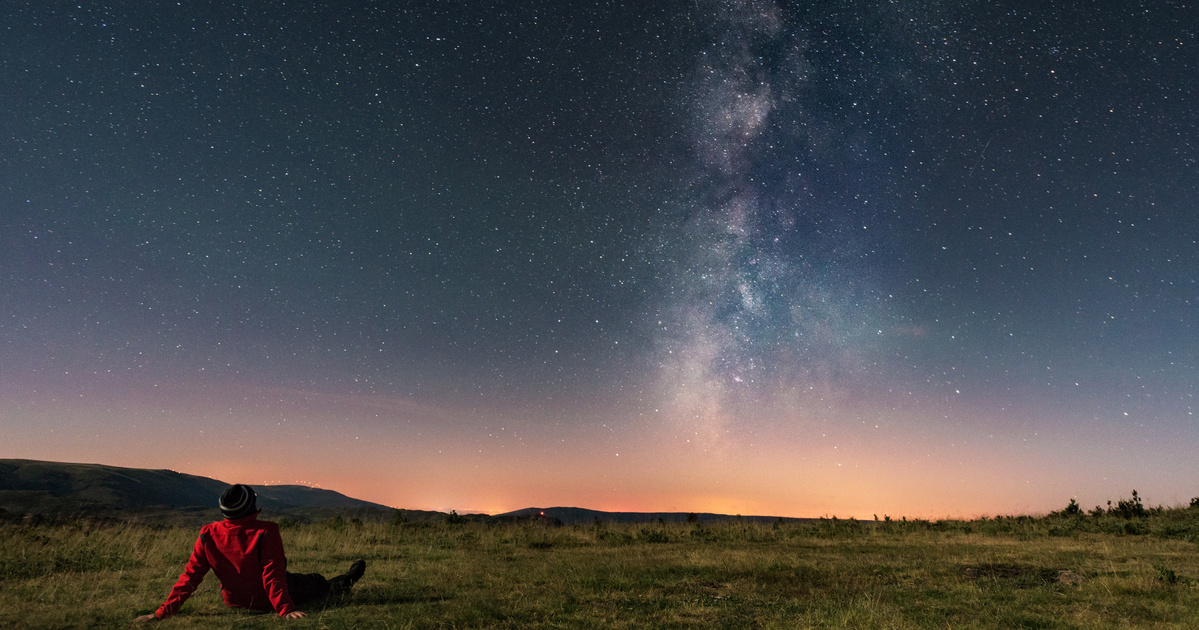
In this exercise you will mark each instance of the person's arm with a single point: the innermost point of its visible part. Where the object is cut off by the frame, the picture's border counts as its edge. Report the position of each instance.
(274, 572)
(189, 580)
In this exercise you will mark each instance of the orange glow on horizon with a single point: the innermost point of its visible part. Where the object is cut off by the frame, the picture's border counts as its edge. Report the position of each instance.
(799, 467)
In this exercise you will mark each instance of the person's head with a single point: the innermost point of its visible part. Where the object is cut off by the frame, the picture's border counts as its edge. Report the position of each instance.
(239, 501)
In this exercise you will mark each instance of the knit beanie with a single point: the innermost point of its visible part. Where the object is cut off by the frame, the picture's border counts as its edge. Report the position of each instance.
(239, 501)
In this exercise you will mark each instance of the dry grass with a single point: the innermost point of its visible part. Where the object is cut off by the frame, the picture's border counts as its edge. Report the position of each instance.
(1019, 574)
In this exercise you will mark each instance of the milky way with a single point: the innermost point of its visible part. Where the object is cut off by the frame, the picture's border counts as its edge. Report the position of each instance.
(762, 312)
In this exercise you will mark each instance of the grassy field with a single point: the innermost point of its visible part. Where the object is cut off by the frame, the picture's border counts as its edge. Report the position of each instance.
(1071, 571)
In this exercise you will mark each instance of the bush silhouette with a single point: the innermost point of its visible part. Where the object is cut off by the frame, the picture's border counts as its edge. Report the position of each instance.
(1131, 508)
(1071, 510)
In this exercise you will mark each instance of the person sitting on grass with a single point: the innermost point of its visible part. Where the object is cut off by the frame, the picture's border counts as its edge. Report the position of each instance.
(247, 556)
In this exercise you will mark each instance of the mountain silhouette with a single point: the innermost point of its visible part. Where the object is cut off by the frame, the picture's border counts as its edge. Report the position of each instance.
(68, 489)
(63, 491)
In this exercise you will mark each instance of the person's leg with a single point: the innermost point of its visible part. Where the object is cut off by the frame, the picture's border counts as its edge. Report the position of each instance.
(306, 587)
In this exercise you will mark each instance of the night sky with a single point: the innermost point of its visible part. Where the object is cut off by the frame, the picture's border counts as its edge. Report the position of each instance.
(796, 259)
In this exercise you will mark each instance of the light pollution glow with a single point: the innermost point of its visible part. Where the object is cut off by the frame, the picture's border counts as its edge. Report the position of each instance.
(847, 460)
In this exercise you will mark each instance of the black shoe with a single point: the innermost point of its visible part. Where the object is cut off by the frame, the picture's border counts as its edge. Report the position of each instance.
(341, 584)
(357, 569)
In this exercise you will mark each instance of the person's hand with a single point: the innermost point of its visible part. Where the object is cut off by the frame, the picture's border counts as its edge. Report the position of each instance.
(295, 614)
(146, 618)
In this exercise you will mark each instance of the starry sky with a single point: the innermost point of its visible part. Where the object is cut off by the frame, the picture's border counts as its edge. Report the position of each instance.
(918, 258)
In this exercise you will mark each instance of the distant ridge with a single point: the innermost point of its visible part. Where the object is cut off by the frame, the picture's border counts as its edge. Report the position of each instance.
(62, 489)
(573, 515)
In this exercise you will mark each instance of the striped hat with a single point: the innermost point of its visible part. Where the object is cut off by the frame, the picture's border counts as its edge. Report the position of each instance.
(239, 501)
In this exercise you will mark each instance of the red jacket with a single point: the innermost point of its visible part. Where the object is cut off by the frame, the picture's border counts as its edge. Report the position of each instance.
(247, 556)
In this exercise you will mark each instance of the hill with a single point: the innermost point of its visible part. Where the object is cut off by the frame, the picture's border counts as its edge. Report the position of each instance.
(57, 489)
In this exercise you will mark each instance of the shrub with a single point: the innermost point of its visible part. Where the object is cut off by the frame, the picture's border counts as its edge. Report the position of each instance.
(1071, 510)
(653, 536)
(1131, 508)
